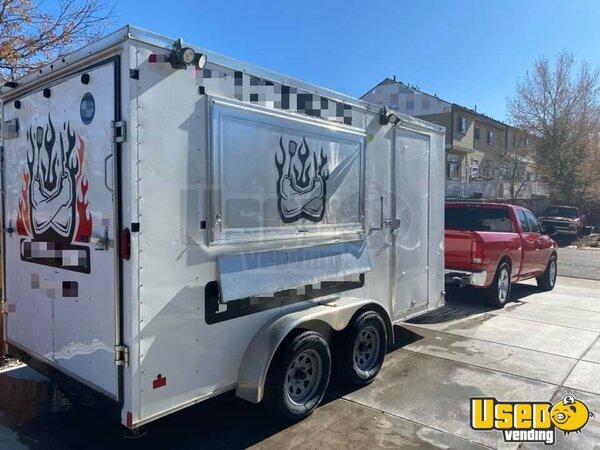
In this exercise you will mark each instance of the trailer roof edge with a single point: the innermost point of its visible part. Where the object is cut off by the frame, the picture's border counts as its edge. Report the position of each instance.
(63, 64)
(139, 34)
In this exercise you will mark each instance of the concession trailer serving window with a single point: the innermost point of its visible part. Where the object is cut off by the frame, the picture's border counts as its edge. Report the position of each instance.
(279, 176)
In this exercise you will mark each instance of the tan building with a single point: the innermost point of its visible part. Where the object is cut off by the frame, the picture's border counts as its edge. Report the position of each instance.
(484, 157)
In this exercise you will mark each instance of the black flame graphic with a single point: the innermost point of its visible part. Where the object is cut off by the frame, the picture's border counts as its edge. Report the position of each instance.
(302, 183)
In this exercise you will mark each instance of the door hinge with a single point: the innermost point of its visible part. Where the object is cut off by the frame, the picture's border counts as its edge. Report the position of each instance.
(119, 131)
(121, 355)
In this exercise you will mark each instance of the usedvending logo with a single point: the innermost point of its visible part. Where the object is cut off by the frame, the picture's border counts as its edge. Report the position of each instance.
(529, 421)
(52, 210)
(302, 182)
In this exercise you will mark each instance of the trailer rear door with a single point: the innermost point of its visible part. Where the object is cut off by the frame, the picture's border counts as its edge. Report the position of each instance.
(60, 225)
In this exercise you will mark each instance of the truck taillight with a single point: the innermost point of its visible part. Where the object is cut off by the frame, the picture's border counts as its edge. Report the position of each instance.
(125, 244)
(477, 252)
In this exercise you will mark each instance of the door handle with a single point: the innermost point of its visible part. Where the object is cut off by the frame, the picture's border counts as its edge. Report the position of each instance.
(106, 172)
(102, 243)
(10, 230)
(396, 227)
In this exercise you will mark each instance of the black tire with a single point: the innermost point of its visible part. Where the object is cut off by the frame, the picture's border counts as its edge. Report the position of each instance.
(498, 293)
(547, 281)
(359, 366)
(289, 390)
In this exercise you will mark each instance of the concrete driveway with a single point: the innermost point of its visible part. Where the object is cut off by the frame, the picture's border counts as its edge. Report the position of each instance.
(540, 347)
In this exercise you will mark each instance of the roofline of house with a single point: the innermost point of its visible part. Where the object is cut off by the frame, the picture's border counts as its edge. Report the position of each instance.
(464, 108)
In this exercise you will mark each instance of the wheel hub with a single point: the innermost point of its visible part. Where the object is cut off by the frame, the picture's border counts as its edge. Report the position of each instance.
(303, 376)
(366, 349)
(300, 375)
(503, 285)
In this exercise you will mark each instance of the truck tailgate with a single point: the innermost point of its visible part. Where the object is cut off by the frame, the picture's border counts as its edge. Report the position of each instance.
(457, 246)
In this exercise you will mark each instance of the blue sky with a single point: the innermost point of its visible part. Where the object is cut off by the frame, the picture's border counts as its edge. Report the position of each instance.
(465, 51)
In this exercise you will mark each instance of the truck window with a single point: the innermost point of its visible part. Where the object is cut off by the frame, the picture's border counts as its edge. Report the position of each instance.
(523, 220)
(560, 211)
(534, 226)
(468, 218)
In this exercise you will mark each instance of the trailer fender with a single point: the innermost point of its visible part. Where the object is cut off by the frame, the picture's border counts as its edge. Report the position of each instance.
(336, 312)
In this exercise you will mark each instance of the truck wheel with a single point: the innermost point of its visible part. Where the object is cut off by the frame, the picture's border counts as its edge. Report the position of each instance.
(547, 281)
(363, 349)
(299, 376)
(498, 292)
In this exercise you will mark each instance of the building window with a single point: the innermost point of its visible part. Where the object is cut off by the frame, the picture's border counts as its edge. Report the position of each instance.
(487, 170)
(426, 104)
(475, 169)
(477, 133)
(410, 105)
(515, 141)
(462, 125)
(453, 166)
(526, 142)
(490, 139)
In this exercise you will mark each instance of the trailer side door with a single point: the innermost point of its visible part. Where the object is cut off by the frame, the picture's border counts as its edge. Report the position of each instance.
(411, 227)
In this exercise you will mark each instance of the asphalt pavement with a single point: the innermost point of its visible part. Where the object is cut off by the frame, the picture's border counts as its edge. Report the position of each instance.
(579, 263)
(540, 347)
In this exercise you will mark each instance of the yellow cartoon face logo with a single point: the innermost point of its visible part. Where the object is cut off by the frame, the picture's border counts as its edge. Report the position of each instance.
(570, 415)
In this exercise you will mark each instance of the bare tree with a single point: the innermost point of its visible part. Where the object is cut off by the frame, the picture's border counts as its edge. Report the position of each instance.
(518, 166)
(559, 106)
(32, 34)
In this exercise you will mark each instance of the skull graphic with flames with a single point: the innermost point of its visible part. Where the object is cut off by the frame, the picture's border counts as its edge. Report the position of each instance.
(53, 206)
(302, 182)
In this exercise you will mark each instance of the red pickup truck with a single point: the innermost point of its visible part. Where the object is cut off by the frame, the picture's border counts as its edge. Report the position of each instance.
(490, 246)
(566, 220)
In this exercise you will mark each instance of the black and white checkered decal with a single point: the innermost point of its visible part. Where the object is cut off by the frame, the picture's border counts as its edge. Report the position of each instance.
(246, 88)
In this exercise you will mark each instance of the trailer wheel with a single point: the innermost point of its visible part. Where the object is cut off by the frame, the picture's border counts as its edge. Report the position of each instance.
(547, 281)
(363, 349)
(499, 291)
(299, 376)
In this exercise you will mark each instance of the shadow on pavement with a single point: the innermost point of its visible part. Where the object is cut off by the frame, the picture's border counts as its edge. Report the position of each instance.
(34, 414)
(564, 240)
(466, 302)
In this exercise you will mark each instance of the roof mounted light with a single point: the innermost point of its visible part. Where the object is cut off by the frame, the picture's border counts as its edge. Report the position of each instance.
(181, 57)
(187, 55)
(389, 117)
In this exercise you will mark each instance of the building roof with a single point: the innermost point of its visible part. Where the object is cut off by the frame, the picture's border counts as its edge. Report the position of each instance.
(388, 80)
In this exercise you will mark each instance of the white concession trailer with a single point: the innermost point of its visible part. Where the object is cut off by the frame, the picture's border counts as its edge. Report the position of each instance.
(178, 224)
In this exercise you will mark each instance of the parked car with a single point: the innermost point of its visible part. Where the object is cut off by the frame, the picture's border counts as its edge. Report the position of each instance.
(566, 219)
(489, 246)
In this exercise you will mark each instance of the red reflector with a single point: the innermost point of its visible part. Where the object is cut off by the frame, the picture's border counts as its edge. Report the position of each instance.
(156, 58)
(125, 244)
(159, 381)
(129, 420)
(477, 252)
